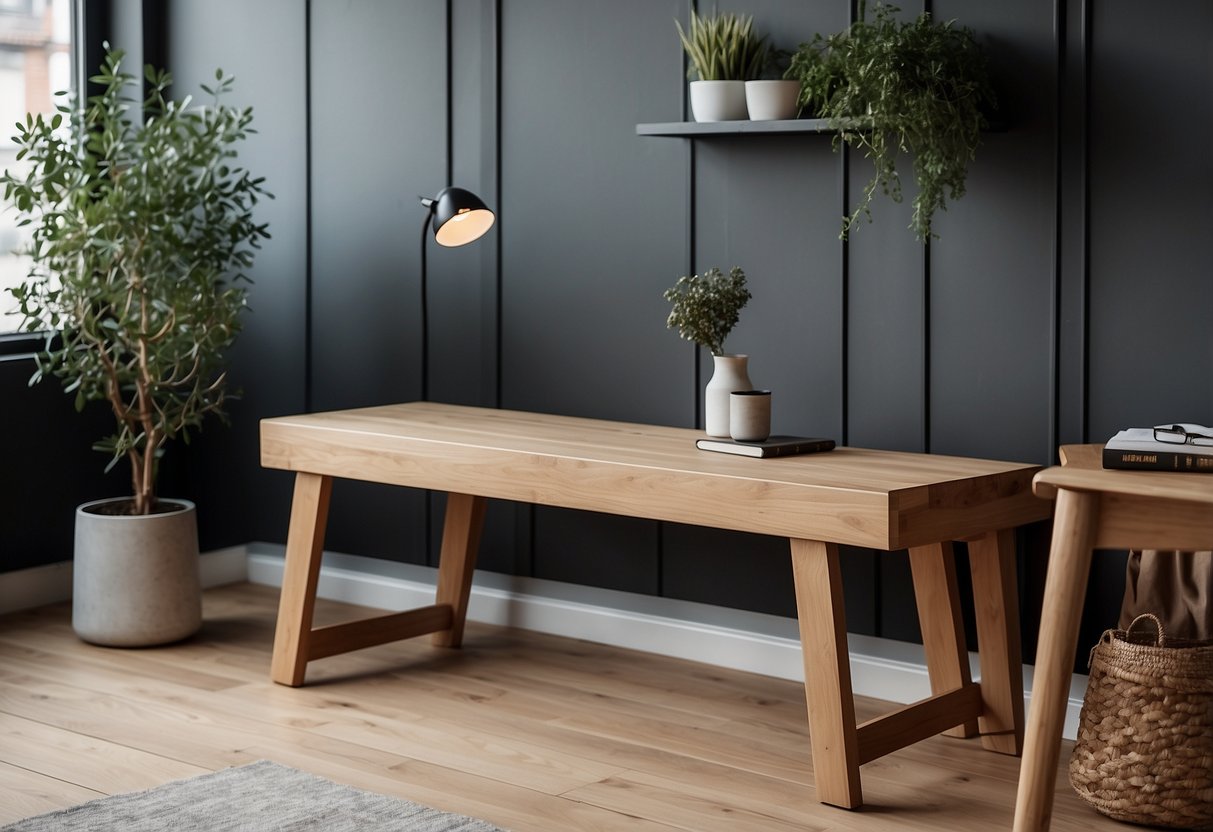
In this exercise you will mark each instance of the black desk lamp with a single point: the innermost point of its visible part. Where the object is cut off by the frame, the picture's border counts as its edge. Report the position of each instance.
(458, 217)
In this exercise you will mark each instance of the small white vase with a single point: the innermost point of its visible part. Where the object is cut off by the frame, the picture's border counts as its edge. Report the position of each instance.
(729, 374)
(771, 100)
(718, 100)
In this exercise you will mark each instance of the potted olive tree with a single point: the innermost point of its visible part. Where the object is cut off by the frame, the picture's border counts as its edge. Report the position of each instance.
(142, 225)
(704, 310)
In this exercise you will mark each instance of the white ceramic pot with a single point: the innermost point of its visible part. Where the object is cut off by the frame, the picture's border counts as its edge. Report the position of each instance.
(135, 579)
(729, 374)
(718, 100)
(771, 100)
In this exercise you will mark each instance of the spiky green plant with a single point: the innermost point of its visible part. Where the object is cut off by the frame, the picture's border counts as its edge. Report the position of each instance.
(723, 47)
(142, 227)
(705, 309)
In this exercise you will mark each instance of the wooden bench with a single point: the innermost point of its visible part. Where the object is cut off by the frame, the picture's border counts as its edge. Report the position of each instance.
(879, 499)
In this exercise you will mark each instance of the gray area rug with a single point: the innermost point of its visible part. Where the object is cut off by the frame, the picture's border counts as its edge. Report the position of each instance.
(254, 798)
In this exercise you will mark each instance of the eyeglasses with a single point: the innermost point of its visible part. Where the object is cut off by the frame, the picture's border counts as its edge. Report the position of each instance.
(1183, 435)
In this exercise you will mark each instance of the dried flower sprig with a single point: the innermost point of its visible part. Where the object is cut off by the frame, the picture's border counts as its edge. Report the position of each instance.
(706, 308)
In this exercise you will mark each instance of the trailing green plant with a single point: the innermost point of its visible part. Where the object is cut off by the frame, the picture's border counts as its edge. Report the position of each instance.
(142, 227)
(890, 87)
(705, 309)
(723, 47)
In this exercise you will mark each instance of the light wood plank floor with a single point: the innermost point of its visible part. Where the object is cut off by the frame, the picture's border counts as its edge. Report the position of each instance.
(531, 732)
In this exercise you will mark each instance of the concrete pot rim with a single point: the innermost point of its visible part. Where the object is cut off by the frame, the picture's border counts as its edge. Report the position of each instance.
(183, 506)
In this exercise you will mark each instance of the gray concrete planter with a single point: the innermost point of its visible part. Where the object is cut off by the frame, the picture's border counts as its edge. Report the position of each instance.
(135, 579)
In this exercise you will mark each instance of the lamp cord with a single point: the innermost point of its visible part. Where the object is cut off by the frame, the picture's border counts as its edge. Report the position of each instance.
(425, 323)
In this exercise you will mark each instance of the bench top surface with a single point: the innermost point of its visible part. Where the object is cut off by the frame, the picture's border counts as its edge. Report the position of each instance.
(877, 498)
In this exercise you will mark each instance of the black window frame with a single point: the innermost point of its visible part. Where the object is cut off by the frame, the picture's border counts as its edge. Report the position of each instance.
(91, 26)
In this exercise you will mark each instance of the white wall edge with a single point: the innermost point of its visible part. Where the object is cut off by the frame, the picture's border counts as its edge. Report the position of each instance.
(41, 585)
(754, 642)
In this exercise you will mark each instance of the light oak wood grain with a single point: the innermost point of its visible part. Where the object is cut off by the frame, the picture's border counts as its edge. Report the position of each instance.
(827, 672)
(460, 544)
(305, 543)
(27, 793)
(695, 744)
(850, 495)
(916, 721)
(882, 499)
(1096, 509)
(996, 609)
(941, 621)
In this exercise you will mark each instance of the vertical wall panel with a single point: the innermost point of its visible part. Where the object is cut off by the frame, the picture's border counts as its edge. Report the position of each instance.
(595, 225)
(464, 300)
(1151, 211)
(764, 203)
(463, 281)
(379, 141)
(885, 343)
(886, 317)
(991, 293)
(1151, 208)
(262, 45)
(46, 478)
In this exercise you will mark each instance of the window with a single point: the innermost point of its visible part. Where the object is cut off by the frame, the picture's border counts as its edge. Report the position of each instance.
(35, 61)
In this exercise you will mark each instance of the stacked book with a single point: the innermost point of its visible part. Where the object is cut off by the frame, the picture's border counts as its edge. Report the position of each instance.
(1178, 447)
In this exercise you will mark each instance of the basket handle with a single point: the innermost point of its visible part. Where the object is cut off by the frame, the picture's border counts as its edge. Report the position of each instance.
(1160, 636)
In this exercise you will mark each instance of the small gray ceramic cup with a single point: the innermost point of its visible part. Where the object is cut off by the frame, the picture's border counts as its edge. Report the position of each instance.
(750, 415)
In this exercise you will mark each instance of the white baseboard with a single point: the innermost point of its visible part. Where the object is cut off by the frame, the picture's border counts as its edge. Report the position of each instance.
(35, 587)
(766, 644)
(42, 585)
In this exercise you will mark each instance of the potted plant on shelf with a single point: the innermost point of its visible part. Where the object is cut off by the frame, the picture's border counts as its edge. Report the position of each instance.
(142, 226)
(724, 53)
(705, 310)
(773, 97)
(888, 86)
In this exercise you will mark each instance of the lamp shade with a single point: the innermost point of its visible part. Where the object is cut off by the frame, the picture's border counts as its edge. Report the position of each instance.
(459, 217)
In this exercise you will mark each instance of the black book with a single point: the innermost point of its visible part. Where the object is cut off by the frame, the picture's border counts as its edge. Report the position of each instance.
(771, 446)
(1151, 460)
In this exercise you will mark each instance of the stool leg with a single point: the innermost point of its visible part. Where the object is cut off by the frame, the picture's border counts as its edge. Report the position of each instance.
(827, 672)
(934, 570)
(460, 543)
(996, 603)
(1065, 588)
(304, 547)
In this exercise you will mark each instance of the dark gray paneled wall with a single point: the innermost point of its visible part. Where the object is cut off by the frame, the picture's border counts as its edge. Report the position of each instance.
(258, 43)
(1063, 299)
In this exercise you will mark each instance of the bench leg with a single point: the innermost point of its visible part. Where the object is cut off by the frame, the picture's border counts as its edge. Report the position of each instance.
(939, 615)
(996, 603)
(460, 543)
(304, 546)
(827, 672)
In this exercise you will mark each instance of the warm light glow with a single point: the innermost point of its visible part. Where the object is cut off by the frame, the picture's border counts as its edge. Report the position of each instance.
(464, 227)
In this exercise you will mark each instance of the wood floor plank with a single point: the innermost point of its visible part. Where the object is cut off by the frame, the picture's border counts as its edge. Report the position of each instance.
(530, 731)
(692, 810)
(93, 763)
(29, 793)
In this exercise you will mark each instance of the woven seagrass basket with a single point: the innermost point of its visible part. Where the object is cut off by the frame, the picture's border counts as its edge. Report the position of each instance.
(1144, 752)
